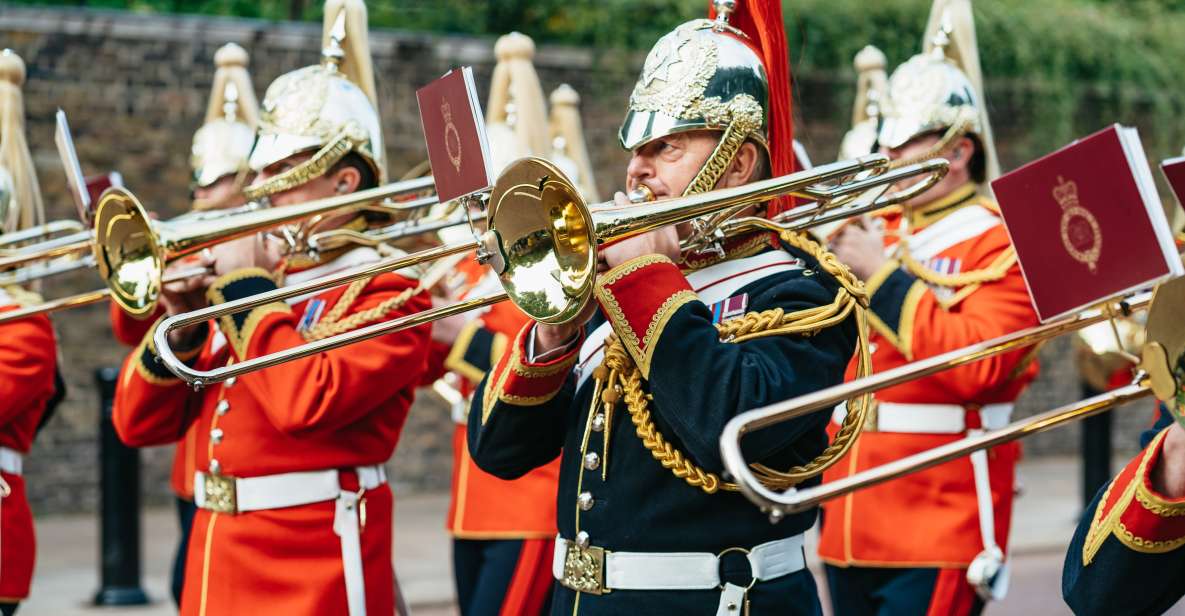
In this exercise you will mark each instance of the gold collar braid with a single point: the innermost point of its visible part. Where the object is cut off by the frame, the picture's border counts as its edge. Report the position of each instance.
(618, 377)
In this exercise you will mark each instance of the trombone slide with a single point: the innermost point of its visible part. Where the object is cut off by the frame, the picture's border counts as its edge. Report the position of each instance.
(757, 419)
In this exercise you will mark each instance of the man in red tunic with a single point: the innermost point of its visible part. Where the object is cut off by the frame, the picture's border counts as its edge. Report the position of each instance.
(941, 274)
(219, 160)
(294, 514)
(28, 349)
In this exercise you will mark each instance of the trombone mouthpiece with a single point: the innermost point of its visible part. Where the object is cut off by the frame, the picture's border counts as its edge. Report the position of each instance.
(641, 194)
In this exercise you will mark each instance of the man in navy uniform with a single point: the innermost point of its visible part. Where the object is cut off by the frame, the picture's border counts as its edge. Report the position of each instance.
(1126, 556)
(636, 399)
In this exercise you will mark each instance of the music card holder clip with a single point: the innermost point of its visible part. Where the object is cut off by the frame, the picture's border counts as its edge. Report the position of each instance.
(84, 191)
(74, 179)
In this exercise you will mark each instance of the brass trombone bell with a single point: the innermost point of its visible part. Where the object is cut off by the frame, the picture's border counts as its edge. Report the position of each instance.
(542, 242)
(320, 241)
(1167, 339)
(543, 237)
(132, 250)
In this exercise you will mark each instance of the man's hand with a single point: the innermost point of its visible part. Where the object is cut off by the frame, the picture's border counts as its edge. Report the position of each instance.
(861, 248)
(185, 295)
(1168, 476)
(662, 241)
(551, 337)
(251, 251)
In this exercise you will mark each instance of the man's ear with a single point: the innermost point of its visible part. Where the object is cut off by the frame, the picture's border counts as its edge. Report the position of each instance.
(961, 154)
(743, 165)
(346, 180)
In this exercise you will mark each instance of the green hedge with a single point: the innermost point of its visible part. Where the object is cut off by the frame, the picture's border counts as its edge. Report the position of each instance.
(1068, 66)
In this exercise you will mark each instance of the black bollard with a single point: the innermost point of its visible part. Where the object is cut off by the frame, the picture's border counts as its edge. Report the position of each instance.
(1096, 451)
(119, 522)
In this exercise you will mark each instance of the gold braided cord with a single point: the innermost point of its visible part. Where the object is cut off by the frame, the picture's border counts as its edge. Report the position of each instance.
(996, 271)
(333, 323)
(619, 377)
(726, 150)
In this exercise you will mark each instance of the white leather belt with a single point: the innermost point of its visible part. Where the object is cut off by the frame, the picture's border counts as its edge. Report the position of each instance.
(241, 494)
(930, 418)
(11, 461)
(595, 570)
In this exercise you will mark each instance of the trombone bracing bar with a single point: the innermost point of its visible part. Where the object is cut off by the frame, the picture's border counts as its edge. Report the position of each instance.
(779, 503)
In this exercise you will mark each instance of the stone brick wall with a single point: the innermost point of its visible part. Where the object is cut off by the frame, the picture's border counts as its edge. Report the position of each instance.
(135, 88)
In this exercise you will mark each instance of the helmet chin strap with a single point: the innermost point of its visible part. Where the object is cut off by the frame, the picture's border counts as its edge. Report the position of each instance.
(316, 166)
(953, 133)
(705, 231)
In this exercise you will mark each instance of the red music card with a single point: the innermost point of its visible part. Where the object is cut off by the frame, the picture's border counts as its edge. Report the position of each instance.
(1087, 223)
(454, 131)
(1174, 172)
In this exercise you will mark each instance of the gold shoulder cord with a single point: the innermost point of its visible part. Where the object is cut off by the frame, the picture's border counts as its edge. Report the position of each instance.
(997, 270)
(619, 377)
(333, 323)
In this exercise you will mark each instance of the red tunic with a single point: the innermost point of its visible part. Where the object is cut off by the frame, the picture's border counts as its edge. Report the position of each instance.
(28, 356)
(336, 410)
(483, 506)
(931, 518)
(130, 331)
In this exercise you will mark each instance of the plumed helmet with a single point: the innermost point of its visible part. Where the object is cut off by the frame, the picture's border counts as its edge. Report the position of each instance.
(223, 144)
(940, 89)
(329, 109)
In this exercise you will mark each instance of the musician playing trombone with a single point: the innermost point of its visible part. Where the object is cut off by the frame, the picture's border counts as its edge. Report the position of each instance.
(28, 347)
(294, 514)
(633, 396)
(941, 274)
(220, 170)
(1126, 556)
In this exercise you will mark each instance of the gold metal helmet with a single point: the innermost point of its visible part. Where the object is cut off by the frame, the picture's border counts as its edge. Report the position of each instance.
(940, 89)
(871, 83)
(702, 75)
(21, 205)
(329, 109)
(222, 145)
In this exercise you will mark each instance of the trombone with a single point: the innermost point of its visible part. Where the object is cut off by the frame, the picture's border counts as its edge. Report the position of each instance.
(1155, 376)
(132, 250)
(79, 250)
(542, 242)
(58, 238)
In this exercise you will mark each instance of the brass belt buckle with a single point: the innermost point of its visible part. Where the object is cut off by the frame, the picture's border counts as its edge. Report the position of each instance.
(584, 569)
(220, 494)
